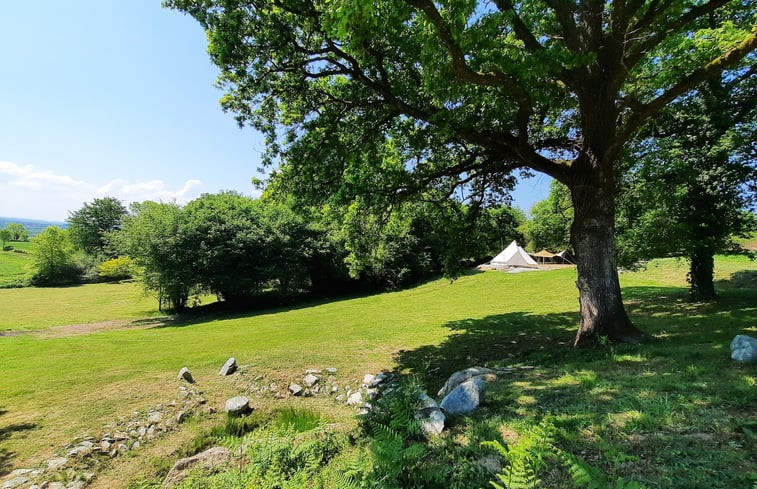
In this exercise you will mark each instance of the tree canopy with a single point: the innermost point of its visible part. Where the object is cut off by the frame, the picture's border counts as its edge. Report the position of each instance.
(17, 232)
(53, 258)
(692, 179)
(549, 226)
(89, 225)
(392, 98)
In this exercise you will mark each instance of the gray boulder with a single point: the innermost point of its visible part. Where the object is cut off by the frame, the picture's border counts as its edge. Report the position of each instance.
(744, 349)
(15, 482)
(466, 397)
(462, 375)
(310, 380)
(295, 389)
(237, 406)
(185, 374)
(211, 460)
(355, 399)
(229, 367)
(430, 416)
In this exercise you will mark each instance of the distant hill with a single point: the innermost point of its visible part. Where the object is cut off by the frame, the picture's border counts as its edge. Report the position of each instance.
(34, 226)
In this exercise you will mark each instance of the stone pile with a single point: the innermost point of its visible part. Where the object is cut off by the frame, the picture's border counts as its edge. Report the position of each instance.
(80, 458)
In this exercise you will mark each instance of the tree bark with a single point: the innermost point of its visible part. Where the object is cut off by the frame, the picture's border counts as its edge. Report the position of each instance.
(701, 275)
(593, 239)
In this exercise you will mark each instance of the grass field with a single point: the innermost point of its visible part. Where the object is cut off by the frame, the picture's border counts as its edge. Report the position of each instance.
(16, 267)
(675, 413)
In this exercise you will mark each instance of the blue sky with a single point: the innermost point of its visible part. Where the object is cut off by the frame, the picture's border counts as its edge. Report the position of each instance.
(116, 98)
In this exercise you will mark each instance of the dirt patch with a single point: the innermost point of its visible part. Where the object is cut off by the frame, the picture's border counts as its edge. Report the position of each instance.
(87, 328)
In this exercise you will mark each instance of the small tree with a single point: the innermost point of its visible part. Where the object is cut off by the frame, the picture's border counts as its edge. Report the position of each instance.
(53, 258)
(551, 218)
(5, 236)
(89, 225)
(150, 235)
(17, 231)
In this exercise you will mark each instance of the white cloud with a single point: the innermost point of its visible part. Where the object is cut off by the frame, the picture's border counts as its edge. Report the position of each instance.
(30, 192)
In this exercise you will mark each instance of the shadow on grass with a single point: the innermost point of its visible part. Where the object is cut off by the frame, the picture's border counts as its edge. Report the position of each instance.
(505, 338)
(6, 456)
(673, 413)
(267, 303)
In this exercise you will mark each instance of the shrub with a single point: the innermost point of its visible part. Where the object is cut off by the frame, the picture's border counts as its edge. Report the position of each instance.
(116, 268)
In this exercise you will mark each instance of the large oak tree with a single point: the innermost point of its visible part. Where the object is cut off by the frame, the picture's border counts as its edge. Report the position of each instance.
(388, 97)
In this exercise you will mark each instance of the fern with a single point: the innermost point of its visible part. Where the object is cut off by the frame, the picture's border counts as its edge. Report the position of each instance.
(527, 458)
(587, 476)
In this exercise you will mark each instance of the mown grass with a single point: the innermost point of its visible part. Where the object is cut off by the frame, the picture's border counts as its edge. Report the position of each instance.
(675, 413)
(31, 308)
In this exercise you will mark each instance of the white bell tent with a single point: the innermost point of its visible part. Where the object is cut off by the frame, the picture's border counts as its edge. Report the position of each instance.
(513, 256)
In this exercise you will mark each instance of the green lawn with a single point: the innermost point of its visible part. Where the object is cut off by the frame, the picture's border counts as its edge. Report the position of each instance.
(32, 308)
(676, 410)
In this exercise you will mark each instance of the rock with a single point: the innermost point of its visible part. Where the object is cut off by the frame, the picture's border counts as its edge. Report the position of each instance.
(211, 460)
(378, 379)
(430, 416)
(461, 376)
(55, 485)
(466, 397)
(56, 463)
(15, 482)
(237, 406)
(744, 349)
(295, 389)
(355, 399)
(310, 380)
(432, 421)
(105, 446)
(135, 445)
(181, 416)
(155, 418)
(368, 379)
(80, 451)
(229, 367)
(76, 485)
(313, 371)
(331, 370)
(491, 463)
(185, 374)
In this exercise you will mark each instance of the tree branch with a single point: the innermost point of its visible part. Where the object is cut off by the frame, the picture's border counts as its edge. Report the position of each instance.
(464, 72)
(645, 111)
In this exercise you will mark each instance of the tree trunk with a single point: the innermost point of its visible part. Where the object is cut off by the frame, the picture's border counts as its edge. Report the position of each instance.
(701, 276)
(593, 239)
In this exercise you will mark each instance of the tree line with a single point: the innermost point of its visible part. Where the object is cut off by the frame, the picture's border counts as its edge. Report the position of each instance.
(242, 249)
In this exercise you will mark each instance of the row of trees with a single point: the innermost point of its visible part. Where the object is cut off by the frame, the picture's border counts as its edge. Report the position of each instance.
(240, 248)
(13, 232)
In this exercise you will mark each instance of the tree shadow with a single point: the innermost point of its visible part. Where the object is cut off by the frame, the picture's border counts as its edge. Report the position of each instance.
(505, 339)
(7, 431)
(743, 279)
(640, 412)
